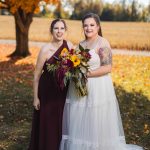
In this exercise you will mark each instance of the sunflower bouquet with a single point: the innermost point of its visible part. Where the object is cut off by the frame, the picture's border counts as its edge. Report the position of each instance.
(72, 65)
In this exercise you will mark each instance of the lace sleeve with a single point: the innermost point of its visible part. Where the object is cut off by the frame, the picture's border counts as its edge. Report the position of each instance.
(105, 56)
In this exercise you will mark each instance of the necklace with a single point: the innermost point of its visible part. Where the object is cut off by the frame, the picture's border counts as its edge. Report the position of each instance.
(92, 43)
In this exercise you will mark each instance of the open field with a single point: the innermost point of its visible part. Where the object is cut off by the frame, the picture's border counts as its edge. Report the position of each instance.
(126, 35)
(130, 75)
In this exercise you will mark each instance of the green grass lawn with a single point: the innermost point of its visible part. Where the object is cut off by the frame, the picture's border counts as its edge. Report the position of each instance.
(130, 76)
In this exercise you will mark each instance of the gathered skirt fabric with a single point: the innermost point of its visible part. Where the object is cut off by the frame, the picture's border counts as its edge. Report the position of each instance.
(93, 122)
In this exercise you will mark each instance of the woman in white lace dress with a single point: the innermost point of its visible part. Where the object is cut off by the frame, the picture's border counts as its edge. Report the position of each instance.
(93, 122)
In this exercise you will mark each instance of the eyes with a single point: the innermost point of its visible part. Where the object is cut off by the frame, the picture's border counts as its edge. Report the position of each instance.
(56, 28)
(87, 25)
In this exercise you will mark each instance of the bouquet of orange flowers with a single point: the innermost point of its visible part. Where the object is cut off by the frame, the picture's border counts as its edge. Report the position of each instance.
(72, 65)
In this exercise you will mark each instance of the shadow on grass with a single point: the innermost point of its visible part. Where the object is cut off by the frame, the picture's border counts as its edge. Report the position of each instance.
(16, 95)
(135, 112)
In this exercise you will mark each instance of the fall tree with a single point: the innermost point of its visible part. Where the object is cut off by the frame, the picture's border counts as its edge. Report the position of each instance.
(23, 11)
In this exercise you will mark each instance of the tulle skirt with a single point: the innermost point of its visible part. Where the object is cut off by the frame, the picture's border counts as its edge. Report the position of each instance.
(93, 122)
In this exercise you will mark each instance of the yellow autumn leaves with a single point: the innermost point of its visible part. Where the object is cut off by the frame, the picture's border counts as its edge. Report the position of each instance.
(132, 73)
(27, 6)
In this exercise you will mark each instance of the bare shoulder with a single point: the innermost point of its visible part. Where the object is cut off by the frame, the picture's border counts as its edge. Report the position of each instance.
(45, 51)
(45, 48)
(104, 42)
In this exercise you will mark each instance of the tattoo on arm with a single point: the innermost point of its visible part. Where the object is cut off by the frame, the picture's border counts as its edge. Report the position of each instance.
(105, 56)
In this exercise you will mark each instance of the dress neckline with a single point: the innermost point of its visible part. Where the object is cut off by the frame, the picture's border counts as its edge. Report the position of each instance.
(56, 52)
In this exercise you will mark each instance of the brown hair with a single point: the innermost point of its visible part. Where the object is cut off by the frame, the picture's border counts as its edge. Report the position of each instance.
(54, 22)
(96, 18)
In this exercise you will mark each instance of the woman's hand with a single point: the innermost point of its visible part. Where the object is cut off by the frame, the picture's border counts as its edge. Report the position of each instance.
(103, 70)
(36, 104)
(37, 74)
(88, 74)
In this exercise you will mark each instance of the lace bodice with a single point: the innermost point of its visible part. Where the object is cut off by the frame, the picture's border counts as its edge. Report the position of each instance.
(101, 54)
(102, 58)
(94, 62)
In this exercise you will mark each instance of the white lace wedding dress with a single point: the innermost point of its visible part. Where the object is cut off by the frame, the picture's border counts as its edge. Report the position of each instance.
(93, 122)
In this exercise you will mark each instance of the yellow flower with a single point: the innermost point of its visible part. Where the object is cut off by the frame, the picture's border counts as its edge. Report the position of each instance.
(75, 60)
(64, 52)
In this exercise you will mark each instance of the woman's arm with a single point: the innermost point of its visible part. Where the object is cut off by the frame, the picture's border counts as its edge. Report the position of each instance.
(37, 73)
(100, 71)
(105, 55)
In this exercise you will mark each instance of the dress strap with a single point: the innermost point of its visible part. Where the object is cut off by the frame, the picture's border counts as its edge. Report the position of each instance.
(56, 54)
(65, 44)
(52, 59)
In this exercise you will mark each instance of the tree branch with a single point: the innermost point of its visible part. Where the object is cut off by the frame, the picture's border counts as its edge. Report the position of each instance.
(19, 21)
(30, 16)
(29, 20)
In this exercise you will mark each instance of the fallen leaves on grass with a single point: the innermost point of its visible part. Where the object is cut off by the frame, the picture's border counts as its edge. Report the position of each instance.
(132, 73)
(130, 76)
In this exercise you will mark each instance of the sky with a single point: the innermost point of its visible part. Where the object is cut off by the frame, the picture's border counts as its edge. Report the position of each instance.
(145, 2)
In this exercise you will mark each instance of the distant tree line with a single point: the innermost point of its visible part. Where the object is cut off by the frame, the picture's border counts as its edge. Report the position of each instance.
(75, 9)
(118, 11)
(125, 12)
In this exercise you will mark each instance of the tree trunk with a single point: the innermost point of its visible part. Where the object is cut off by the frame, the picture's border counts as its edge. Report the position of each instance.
(22, 24)
(22, 48)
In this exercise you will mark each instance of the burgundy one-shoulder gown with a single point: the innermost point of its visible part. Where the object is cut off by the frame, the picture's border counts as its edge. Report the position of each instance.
(47, 122)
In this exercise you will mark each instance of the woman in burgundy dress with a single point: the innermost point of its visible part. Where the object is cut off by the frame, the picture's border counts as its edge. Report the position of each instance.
(49, 99)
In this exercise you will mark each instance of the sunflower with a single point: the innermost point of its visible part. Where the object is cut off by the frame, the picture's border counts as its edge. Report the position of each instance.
(64, 52)
(75, 59)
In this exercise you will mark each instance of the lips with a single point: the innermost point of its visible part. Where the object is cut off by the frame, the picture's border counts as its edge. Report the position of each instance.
(89, 31)
(59, 35)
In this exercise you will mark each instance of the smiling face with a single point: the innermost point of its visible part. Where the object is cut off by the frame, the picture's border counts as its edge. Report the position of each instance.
(58, 31)
(90, 28)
